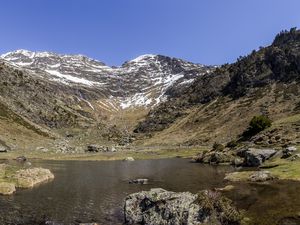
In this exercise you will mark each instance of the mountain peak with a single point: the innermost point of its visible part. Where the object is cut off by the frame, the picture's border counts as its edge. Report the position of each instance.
(143, 57)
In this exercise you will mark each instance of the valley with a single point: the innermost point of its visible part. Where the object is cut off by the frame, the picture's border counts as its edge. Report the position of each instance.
(239, 122)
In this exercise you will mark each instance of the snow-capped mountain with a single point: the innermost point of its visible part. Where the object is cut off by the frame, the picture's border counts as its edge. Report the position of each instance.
(141, 82)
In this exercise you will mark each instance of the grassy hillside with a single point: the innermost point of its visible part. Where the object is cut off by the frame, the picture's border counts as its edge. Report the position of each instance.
(218, 106)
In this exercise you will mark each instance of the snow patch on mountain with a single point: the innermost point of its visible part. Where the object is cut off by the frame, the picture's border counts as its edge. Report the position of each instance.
(67, 77)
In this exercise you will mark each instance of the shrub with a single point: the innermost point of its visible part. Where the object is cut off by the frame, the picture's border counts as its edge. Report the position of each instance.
(257, 124)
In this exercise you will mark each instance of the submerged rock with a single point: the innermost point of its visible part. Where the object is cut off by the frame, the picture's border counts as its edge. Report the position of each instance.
(139, 181)
(159, 206)
(226, 188)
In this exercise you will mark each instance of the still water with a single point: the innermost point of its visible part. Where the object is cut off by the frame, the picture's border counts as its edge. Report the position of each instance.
(91, 191)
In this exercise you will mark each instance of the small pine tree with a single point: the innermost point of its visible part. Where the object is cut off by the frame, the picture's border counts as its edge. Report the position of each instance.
(256, 125)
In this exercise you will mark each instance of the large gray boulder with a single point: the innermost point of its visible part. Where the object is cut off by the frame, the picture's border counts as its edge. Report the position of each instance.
(161, 207)
(254, 157)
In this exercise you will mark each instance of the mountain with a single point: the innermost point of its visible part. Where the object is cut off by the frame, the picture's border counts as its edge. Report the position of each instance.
(218, 106)
(61, 95)
(140, 82)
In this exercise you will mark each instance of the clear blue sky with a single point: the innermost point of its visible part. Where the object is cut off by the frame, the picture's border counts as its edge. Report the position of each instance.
(112, 31)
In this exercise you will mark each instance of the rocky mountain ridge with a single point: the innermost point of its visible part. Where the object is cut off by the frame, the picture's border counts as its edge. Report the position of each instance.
(140, 82)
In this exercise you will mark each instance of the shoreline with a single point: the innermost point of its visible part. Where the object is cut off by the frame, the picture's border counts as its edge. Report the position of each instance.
(105, 156)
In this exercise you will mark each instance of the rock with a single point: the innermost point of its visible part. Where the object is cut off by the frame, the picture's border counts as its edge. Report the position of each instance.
(139, 181)
(261, 176)
(226, 188)
(28, 164)
(291, 149)
(7, 188)
(89, 224)
(27, 178)
(213, 157)
(96, 148)
(288, 152)
(113, 149)
(254, 157)
(3, 149)
(42, 149)
(159, 206)
(237, 176)
(21, 159)
(129, 159)
(199, 158)
(253, 176)
(295, 157)
(238, 161)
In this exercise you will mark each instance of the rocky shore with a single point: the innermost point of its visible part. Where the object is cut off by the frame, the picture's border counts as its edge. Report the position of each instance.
(16, 176)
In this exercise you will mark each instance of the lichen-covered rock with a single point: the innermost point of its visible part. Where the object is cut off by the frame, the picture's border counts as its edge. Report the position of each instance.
(7, 188)
(261, 176)
(27, 178)
(214, 157)
(252, 176)
(159, 206)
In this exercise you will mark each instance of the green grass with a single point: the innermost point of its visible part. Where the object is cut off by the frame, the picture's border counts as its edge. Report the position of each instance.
(141, 154)
(290, 119)
(283, 169)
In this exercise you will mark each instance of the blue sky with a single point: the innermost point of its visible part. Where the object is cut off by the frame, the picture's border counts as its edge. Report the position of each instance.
(113, 31)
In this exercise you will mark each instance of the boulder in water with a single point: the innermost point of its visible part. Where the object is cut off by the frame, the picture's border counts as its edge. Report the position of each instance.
(159, 206)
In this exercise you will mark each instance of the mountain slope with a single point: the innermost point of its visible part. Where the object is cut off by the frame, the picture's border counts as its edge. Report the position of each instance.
(218, 106)
(63, 94)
